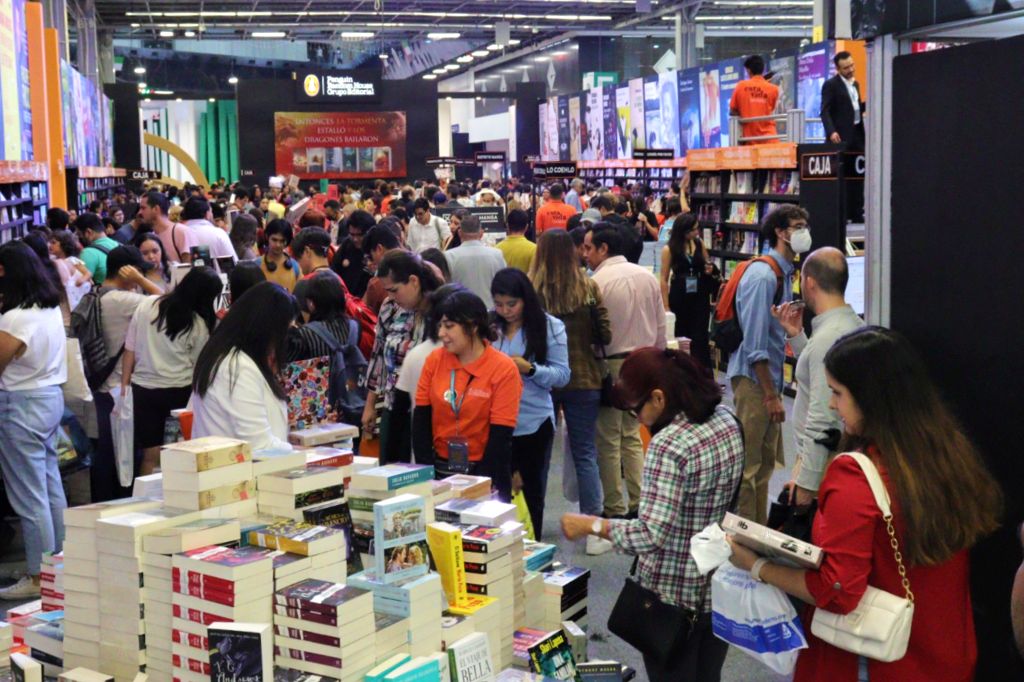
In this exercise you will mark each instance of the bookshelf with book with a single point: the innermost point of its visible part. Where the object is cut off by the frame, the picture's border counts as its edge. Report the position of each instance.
(656, 174)
(86, 184)
(24, 197)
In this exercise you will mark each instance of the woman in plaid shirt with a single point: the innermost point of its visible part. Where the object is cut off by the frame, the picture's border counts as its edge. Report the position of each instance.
(692, 470)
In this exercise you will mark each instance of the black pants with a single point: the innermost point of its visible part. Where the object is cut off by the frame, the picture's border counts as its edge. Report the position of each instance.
(693, 314)
(152, 408)
(531, 457)
(103, 477)
(701, 659)
(396, 430)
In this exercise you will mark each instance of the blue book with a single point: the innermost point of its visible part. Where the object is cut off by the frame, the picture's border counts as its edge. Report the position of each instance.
(392, 476)
(400, 538)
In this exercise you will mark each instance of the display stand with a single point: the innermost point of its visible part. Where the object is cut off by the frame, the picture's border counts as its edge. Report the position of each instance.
(24, 197)
(89, 183)
(827, 172)
(656, 174)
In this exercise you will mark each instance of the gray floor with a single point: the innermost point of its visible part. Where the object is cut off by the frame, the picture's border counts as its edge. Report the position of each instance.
(607, 573)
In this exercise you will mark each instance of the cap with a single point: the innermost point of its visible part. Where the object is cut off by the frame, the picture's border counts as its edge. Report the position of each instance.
(126, 255)
(591, 215)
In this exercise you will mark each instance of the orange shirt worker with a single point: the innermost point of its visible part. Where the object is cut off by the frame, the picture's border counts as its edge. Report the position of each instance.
(555, 213)
(467, 399)
(755, 97)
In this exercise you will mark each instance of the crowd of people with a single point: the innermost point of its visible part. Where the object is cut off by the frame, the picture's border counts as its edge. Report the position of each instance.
(449, 351)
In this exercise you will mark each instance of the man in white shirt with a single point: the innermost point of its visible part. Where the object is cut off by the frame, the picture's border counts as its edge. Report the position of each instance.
(823, 279)
(426, 231)
(632, 296)
(198, 218)
(474, 264)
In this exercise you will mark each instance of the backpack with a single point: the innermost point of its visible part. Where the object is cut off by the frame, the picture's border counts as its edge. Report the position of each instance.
(364, 316)
(348, 404)
(725, 325)
(87, 327)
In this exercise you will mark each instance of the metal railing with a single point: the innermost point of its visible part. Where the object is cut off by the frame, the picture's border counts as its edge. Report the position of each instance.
(795, 121)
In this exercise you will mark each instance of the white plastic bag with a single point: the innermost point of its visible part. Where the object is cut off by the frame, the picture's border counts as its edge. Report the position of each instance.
(122, 431)
(710, 549)
(570, 484)
(757, 618)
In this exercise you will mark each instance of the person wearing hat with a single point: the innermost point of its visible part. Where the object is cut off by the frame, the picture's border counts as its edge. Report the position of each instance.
(590, 217)
(119, 298)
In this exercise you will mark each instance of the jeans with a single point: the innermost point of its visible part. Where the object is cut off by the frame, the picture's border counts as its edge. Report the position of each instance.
(701, 661)
(531, 457)
(580, 410)
(28, 458)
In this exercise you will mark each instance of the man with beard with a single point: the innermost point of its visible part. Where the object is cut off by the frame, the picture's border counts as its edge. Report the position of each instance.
(176, 239)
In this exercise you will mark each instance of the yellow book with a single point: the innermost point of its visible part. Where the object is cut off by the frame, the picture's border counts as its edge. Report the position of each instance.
(445, 541)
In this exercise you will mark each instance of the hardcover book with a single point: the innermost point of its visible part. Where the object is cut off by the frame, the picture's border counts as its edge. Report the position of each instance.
(552, 657)
(241, 652)
(400, 537)
(771, 543)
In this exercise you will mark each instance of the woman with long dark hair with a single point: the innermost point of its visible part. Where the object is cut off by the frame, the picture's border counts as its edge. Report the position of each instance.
(64, 249)
(537, 344)
(692, 470)
(33, 366)
(235, 389)
(164, 340)
(687, 284)
(943, 502)
(152, 250)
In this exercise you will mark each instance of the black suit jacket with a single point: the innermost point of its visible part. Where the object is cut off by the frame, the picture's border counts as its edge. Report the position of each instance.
(837, 110)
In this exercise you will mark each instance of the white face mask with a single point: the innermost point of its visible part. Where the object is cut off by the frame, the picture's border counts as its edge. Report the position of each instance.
(800, 242)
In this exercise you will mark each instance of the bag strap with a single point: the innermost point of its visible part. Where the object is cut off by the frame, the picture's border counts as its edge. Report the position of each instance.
(883, 502)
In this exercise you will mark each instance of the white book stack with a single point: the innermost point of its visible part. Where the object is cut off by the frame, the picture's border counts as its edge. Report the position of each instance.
(215, 584)
(45, 641)
(51, 582)
(326, 629)
(20, 617)
(81, 577)
(392, 635)
(276, 459)
(326, 547)
(209, 472)
(374, 484)
(360, 463)
(420, 600)
(485, 616)
(338, 458)
(533, 588)
(291, 568)
(289, 493)
(6, 643)
(150, 485)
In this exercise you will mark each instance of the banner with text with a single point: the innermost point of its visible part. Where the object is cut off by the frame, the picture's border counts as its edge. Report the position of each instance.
(340, 145)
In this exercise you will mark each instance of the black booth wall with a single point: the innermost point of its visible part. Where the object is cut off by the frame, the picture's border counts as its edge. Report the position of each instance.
(127, 131)
(259, 99)
(958, 279)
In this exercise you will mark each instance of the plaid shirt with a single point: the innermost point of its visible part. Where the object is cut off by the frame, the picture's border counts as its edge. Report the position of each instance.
(398, 330)
(690, 476)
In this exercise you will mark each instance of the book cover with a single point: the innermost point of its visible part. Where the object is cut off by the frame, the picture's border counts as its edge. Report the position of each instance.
(400, 537)
(600, 671)
(552, 657)
(298, 537)
(523, 639)
(566, 579)
(25, 669)
(490, 539)
(771, 543)
(392, 476)
(325, 597)
(241, 652)
(445, 541)
(377, 673)
(465, 485)
(229, 563)
(469, 659)
(295, 481)
(329, 457)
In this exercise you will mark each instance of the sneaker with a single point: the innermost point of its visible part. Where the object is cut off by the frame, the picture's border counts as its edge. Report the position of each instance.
(596, 545)
(25, 588)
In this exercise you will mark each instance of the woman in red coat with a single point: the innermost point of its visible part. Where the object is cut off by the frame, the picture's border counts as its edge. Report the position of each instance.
(943, 501)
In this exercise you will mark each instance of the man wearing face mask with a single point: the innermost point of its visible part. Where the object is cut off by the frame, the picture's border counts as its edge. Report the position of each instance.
(823, 278)
(755, 369)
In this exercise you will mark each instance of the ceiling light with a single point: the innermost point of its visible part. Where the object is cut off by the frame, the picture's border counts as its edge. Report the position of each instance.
(494, 47)
(452, 67)
(233, 80)
(655, 46)
(140, 70)
(443, 36)
(429, 77)
(542, 58)
(465, 59)
(163, 92)
(383, 56)
(147, 100)
(765, 3)
(142, 85)
(166, 34)
(213, 99)
(357, 34)
(135, 25)
(268, 34)
(560, 53)
(177, 99)
(190, 34)
(514, 41)
(480, 53)
(441, 70)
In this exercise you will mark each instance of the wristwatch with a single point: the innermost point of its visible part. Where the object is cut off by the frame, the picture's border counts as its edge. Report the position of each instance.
(755, 570)
(597, 526)
(533, 370)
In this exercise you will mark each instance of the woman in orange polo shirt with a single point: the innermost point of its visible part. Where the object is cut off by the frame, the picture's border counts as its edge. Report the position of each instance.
(467, 400)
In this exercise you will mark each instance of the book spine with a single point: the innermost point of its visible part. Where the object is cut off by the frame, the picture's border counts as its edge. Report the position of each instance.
(308, 657)
(314, 637)
(301, 614)
(335, 461)
(190, 639)
(197, 616)
(202, 581)
(205, 593)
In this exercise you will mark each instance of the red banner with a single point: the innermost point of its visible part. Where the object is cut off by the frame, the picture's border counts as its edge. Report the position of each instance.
(340, 145)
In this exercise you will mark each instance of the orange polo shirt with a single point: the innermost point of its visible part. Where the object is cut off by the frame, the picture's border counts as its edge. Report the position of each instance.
(755, 97)
(492, 397)
(554, 214)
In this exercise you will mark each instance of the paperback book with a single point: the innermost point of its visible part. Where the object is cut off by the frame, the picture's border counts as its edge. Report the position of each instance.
(771, 543)
(241, 652)
(552, 657)
(400, 537)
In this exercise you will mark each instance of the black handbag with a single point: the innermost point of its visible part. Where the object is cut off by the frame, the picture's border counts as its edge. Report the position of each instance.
(656, 629)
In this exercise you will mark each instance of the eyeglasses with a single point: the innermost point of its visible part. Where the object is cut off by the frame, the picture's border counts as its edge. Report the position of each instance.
(635, 411)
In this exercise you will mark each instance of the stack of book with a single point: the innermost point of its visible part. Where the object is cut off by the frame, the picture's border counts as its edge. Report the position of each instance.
(419, 600)
(207, 472)
(392, 634)
(289, 493)
(6, 643)
(325, 546)
(455, 626)
(25, 669)
(214, 584)
(533, 589)
(51, 581)
(81, 577)
(577, 640)
(291, 568)
(538, 556)
(371, 485)
(273, 460)
(20, 617)
(565, 596)
(524, 639)
(45, 641)
(476, 511)
(494, 568)
(325, 628)
(431, 667)
(339, 458)
(441, 492)
(158, 583)
(470, 658)
(485, 615)
(150, 485)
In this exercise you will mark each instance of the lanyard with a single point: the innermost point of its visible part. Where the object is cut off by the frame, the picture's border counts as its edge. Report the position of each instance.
(457, 405)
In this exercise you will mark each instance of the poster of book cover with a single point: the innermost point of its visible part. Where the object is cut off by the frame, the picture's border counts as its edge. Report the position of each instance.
(575, 124)
(637, 130)
(811, 71)
(730, 73)
(668, 97)
(622, 137)
(15, 102)
(592, 134)
(611, 122)
(542, 125)
(563, 128)
(710, 108)
(367, 145)
(82, 125)
(552, 128)
(652, 113)
(783, 72)
(689, 110)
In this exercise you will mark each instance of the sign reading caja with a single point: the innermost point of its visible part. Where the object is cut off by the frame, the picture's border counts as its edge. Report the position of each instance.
(338, 86)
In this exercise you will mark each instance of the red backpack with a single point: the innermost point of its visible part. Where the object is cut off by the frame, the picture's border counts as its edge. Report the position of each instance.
(364, 316)
(725, 326)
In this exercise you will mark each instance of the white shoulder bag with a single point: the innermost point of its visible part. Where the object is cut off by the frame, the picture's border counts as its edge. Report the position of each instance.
(879, 628)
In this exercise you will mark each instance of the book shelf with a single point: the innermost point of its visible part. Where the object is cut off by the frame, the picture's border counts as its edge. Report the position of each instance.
(90, 183)
(658, 175)
(24, 197)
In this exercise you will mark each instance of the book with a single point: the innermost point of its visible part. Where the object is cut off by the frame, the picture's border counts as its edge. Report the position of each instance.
(489, 513)
(199, 533)
(486, 540)
(298, 537)
(296, 481)
(84, 675)
(323, 434)
(538, 555)
(333, 513)
(328, 457)
(241, 652)
(445, 542)
(469, 659)
(214, 497)
(392, 476)
(451, 511)
(771, 543)
(151, 485)
(400, 537)
(552, 657)
(87, 515)
(377, 673)
(320, 596)
(226, 562)
(577, 640)
(203, 454)
(272, 460)
(25, 669)
(292, 502)
(189, 481)
(600, 671)
(470, 487)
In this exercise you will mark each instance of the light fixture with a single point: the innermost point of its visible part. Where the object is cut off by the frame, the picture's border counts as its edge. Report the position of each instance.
(190, 34)
(655, 46)
(177, 99)
(764, 3)
(147, 100)
(163, 92)
(213, 99)
(268, 34)
(383, 56)
(465, 59)
(443, 36)
(494, 47)
(542, 58)
(441, 70)
(135, 25)
(232, 80)
(429, 77)
(514, 41)
(140, 70)
(142, 85)
(357, 34)
(479, 53)
(452, 67)
(560, 53)
(166, 34)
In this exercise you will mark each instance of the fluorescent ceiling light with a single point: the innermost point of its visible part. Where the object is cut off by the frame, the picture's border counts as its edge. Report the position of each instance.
(443, 36)
(383, 56)
(233, 80)
(213, 99)
(140, 70)
(177, 99)
(494, 47)
(357, 34)
(452, 67)
(560, 53)
(166, 34)
(744, 18)
(135, 25)
(480, 53)
(142, 86)
(163, 92)
(429, 77)
(465, 59)
(190, 34)
(441, 70)
(763, 3)
(514, 41)
(147, 100)
(542, 58)
(268, 34)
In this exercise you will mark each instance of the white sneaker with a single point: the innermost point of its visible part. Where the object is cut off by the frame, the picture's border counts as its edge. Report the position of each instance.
(596, 545)
(23, 589)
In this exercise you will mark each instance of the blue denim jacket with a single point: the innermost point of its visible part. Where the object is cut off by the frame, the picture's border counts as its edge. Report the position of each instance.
(535, 405)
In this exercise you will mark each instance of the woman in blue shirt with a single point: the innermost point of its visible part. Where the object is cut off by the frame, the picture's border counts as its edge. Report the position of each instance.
(538, 346)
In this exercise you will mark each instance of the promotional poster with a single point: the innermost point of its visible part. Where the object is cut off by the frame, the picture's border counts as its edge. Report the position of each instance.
(652, 113)
(339, 145)
(625, 147)
(83, 124)
(812, 70)
(689, 110)
(783, 74)
(710, 108)
(542, 120)
(730, 73)
(637, 133)
(563, 128)
(668, 95)
(611, 122)
(574, 128)
(552, 129)
(593, 117)
(15, 107)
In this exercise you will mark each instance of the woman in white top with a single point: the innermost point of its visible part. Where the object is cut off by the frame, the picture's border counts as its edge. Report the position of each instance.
(32, 368)
(235, 391)
(163, 343)
(77, 279)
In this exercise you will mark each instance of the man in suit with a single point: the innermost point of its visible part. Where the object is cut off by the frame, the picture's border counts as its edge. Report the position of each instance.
(842, 111)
